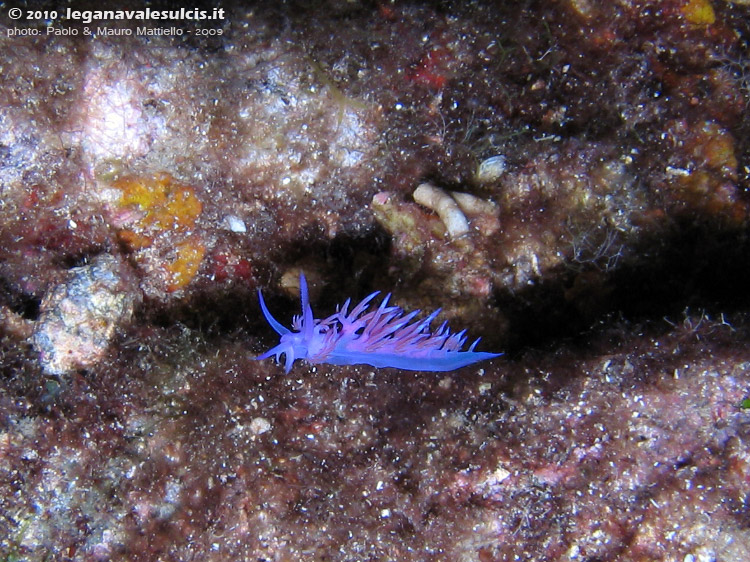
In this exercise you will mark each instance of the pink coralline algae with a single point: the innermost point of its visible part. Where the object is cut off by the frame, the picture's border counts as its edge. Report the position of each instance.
(384, 337)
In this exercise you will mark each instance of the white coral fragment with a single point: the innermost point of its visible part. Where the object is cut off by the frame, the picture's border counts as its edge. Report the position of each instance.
(473, 205)
(445, 206)
(483, 213)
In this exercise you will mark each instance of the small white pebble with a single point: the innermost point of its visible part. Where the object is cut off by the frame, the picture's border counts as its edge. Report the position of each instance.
(259, 425)
(235, 224)
(499, 475)
(491, 169)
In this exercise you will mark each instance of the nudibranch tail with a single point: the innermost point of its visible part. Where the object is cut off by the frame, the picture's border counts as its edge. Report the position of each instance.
(383, 337)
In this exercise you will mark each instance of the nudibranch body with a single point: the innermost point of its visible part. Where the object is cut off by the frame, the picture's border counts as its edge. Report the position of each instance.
(383, 337)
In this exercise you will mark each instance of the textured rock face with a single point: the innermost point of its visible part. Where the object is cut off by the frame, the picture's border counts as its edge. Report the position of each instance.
(567, 180)
(77, 319)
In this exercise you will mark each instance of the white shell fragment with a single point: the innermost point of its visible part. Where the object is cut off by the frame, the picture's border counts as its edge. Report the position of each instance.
(445, 206)
(491, 169)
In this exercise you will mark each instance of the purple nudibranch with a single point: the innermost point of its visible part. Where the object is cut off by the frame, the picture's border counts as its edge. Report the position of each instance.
(384, 337)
